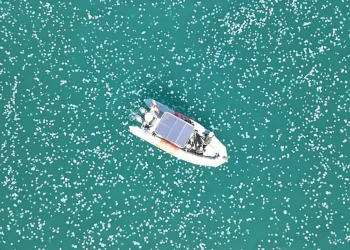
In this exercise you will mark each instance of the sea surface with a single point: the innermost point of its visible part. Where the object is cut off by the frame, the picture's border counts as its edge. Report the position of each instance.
(270, 78)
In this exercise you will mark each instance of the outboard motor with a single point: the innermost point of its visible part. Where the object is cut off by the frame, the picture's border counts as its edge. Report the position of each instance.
(143, 110)
(149, 118)
(138, 118)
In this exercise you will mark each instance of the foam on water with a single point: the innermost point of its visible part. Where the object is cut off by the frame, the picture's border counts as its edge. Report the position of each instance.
(269, 77)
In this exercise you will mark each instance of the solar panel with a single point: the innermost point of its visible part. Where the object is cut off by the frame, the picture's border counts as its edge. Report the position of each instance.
(174, 129)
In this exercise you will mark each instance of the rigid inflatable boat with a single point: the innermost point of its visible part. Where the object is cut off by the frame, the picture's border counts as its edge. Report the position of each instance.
(178, 135)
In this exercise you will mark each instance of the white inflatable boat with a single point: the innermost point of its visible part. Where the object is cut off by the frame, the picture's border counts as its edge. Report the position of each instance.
(178, 135)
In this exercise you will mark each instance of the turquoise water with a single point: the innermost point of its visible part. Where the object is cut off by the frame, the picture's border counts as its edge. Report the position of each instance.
(270, 78)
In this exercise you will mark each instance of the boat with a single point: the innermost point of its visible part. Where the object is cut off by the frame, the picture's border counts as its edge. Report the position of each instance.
(178, 135)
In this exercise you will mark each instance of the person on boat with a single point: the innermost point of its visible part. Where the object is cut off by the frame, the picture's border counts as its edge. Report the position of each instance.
(207, 137)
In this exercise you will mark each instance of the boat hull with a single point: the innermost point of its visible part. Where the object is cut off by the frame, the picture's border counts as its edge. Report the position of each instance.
(215, 153)
(180, 153)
